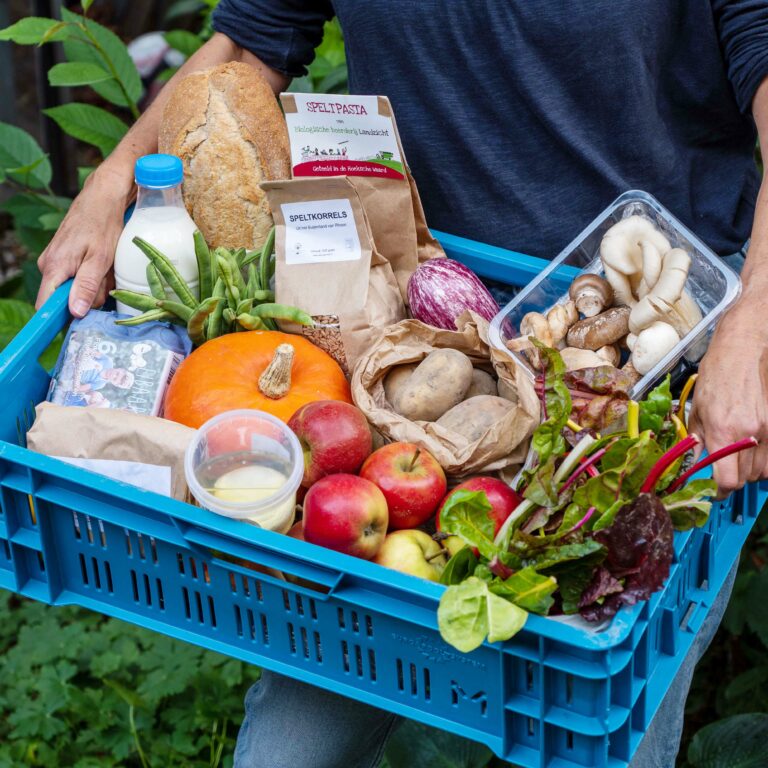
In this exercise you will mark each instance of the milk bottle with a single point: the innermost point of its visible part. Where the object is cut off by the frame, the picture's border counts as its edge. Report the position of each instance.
(161, 219)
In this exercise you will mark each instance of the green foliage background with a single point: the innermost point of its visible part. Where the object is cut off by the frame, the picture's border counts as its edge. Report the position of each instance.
(83, 690)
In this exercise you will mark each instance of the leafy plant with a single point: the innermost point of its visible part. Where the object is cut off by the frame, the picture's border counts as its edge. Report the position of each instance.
(82, 690)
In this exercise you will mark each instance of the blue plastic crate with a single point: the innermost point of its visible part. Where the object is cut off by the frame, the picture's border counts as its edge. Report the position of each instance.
(556, 696)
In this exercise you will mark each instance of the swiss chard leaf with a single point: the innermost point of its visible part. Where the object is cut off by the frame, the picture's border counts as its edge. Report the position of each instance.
(542, 489)
(623, 481)
(656, 406)
(461, 565)
(573, 579)
(602, 379)
(469, 612)
(547, 438)
(604, 412)
(602, 584)
(465, 514)
(527, 589)
(688, 506)
(554, 556)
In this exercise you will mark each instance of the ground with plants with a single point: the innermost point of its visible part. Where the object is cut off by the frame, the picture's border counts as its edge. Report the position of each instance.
(80, 689)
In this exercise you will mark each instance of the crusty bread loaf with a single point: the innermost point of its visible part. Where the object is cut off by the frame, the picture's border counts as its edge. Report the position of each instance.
(226, 126)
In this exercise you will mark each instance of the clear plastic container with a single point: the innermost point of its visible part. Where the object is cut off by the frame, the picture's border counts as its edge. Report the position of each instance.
(712, 284)
(247, 465)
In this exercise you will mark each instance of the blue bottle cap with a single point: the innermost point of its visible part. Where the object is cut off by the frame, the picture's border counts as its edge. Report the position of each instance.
(159, 171)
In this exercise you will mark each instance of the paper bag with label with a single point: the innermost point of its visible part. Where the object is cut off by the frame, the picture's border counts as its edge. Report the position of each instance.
(357, 137)
(327, 264)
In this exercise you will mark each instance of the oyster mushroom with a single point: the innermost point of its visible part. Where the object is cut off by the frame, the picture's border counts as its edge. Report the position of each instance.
(559, 319)
(666, 299)
(621, 251)
(576, 359)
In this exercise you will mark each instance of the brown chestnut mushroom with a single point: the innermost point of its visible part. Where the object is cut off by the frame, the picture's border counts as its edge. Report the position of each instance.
(591, 294)
(601, 330)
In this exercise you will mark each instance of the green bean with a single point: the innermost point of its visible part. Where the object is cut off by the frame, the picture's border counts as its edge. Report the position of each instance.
(138, 301)
(225, 270)
(250, 257)
(239, 254)
(282, 312)
(265, 258)
(180, 310)
(196, 323)
(251, 323)
(229, 315)
(203, 256)
(214, 320)
(155, 282)
(259, 296)
(253, 281)
(244, 306)
(168, 271)
(152, 314)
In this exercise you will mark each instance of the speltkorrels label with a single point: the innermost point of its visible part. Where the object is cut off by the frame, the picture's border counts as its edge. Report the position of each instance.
(320, 231)
(334, 135)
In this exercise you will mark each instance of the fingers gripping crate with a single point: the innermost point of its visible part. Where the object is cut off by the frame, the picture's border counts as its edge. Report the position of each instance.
(556, 696)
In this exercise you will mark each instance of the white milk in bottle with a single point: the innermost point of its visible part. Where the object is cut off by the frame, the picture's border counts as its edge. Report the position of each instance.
(161, 219)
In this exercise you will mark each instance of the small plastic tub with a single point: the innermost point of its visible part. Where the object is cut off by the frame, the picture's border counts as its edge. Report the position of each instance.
(713, 284)
(247, 465)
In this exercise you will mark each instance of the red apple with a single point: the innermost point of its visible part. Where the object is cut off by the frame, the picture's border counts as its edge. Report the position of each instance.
(500, 496)
(411, 480)
(346, 513)
(335, 438)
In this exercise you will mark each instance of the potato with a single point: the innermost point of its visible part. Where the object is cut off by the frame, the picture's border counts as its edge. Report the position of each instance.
(439, 382)
(475, 416)
(507, 391)
(396, 378)
(482, 384)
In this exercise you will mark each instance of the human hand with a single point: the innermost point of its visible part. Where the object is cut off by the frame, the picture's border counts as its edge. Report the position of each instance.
(84, 245)
(731, 397)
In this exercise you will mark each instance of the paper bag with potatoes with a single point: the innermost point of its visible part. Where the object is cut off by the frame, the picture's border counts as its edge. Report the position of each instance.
(473, 408)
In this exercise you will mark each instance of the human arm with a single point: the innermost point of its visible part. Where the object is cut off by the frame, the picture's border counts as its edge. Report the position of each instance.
(84, 245)
(731, 396)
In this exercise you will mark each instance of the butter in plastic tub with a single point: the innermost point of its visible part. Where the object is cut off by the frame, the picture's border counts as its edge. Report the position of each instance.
(246, 465)
(712, 284)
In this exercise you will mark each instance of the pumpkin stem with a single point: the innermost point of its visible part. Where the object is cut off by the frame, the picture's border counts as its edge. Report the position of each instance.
(276, 379)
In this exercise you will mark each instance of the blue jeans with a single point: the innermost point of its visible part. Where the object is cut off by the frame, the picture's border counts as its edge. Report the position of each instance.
(289, 724)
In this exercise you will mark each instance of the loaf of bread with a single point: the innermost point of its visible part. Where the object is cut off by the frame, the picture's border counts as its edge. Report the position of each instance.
(227, 127)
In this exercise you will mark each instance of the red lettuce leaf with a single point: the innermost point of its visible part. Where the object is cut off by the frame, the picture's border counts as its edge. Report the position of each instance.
(639, 550)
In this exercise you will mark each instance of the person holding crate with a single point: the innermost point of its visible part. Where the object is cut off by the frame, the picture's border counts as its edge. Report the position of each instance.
(548, 112)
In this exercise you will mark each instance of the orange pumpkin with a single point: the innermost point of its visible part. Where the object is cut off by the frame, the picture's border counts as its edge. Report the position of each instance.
(266, 370)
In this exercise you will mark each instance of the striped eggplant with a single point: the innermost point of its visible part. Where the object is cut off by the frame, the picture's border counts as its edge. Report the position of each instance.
(442, 289)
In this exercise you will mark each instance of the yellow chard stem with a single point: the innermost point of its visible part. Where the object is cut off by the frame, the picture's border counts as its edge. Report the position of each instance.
(633, 419)
(684, 395)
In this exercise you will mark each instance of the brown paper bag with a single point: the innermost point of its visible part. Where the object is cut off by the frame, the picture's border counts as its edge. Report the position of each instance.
(393, 207)
(350, 291)
(106, 433)
(504, 445)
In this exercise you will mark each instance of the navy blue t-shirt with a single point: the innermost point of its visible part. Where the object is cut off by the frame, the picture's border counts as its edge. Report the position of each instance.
(523, 119)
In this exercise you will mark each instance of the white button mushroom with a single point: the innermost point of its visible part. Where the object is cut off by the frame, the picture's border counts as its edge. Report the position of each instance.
(652, 344)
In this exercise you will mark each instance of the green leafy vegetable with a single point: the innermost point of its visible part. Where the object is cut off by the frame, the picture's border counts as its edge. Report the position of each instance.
(527, 589)
(465, 514)
(689, 506)
(469, 612)
(461, 565)
(655, 408)
(547, 438)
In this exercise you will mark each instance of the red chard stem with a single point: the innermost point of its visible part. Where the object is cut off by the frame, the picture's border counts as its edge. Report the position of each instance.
(667, 460)
(584, 467)
(740, 445)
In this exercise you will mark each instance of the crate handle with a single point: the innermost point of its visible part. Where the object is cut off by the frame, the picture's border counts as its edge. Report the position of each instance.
(203, 541)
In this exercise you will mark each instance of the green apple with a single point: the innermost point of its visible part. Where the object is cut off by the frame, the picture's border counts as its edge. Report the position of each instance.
(412, 551)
